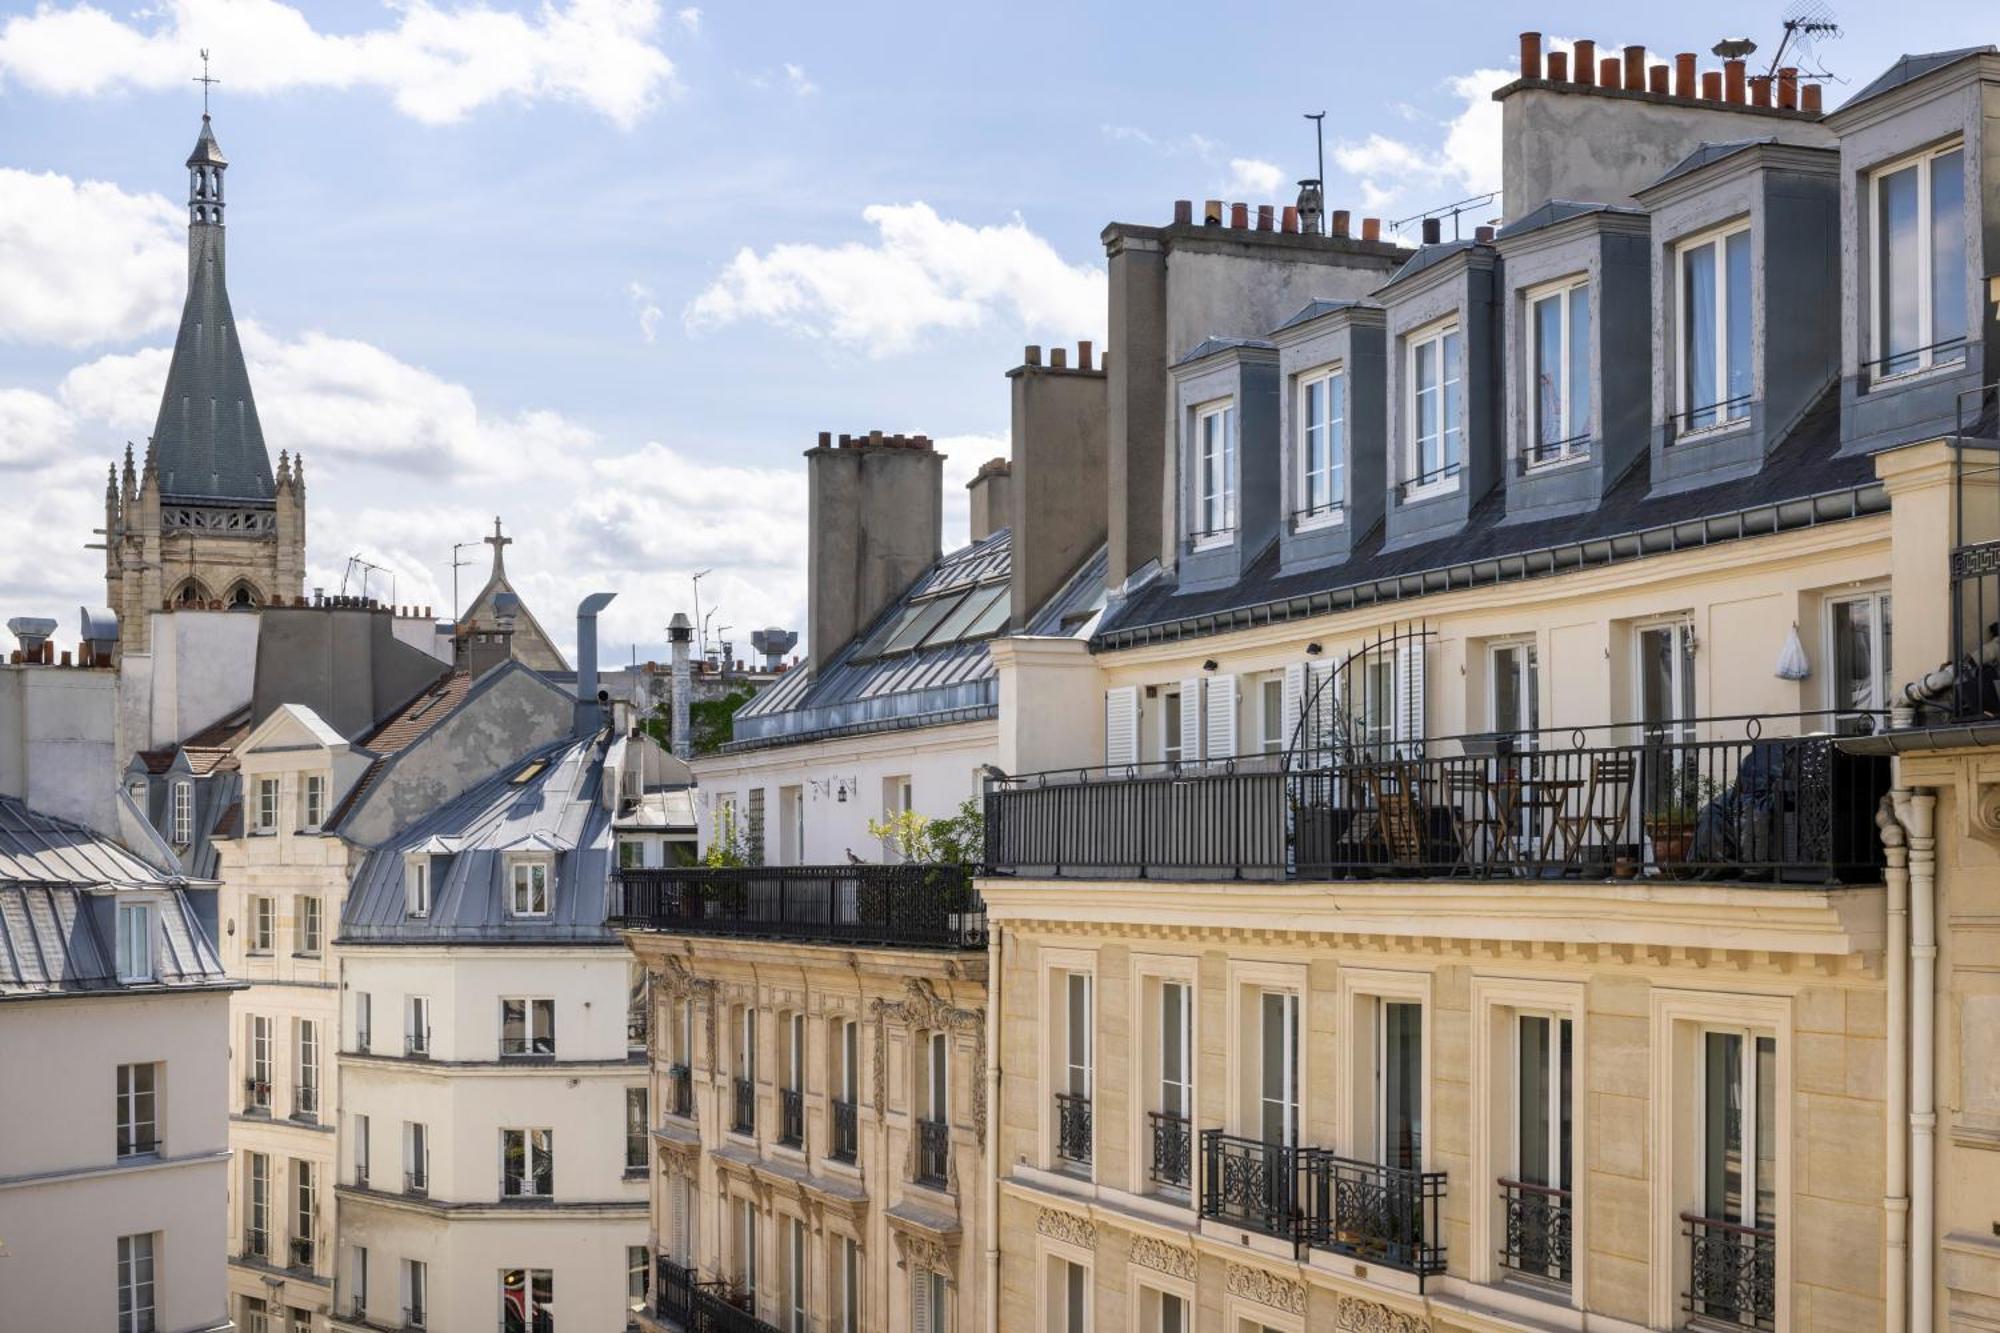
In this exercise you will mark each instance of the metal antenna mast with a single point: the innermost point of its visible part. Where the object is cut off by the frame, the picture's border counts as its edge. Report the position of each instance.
(456, 565)
(1318, 118)
(701, 645)
(205, 82)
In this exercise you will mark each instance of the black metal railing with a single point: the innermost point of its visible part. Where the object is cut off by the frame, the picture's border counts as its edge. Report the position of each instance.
(1536, 1230)
(1732, 1272)
(916, 905)
(1546, 453)
(1713, 799)
(744, 1117)
(1304, 515)
(305, 1102)
(417, 1043)
(1695, 421)
(846, 1132)
(791, 1117)
(680, 1298)
(933, 1153)
(1073, 1128)
(1383, 1214)
(257, 1243)
(416, 1183)
(1405, 489)
(1948, 352)
(1172, 1162)
(1967, 687)
(680, 1091)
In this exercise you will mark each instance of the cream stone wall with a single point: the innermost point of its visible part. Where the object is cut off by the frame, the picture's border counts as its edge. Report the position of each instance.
(1636, 968)
(902, 1226)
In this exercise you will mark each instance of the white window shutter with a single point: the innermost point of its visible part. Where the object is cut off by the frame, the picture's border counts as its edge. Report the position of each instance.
(1294, 700)
(403, 1283)
(1410, 697)
(1221, 717)
(1191, 719)
(1323, 703)
(1121, 726)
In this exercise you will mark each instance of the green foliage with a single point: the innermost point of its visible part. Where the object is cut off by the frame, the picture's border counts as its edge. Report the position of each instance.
(708, 719)
(725, 843)
(954, 839)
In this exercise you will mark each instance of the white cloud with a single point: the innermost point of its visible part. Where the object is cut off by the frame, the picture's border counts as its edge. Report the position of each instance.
(924, 273)
(33, 427)
(1466, 161)
(439, 62)
(796, 80)
(84, 262)
(1253, 178)
(1126, 134)
(647, 308)
(690, 18)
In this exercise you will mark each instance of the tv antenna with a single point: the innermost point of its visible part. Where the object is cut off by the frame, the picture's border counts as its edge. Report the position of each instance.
(205, 82)
(701, 644)
(1807, 23)
(456, 565)
(1456, 209)
(1318, 118)
(366, 567)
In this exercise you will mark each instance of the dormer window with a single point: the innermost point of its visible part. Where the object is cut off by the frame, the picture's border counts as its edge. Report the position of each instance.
(417, 886)
(1918, 274)
(1559, 390)
(531, 888)
(1436, 410)
(267, 805)
(1322, 448)
(183, 812)
(1215, 474)
(135, 941)
(312, 801)
(1715, 382)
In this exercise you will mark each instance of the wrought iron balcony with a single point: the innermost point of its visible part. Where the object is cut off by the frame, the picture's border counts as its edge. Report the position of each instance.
(1073, 1130)
(846, 1132)
(682, 1299)
(893, 906)
(257, 1243)
(417, 1183)
(680, 1091)
(417, 1044)
(1732, 1272)
(1383, 1214)
(791, 1117)
(744, 1121)
(933, 1153)
(301, 1252)
(1173, 1143)
(1536, 1235)
(1719, 799)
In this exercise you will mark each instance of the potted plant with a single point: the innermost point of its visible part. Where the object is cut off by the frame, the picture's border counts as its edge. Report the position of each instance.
(1672, 814)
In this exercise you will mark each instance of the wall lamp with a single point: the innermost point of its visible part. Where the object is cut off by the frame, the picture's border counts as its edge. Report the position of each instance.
(1209, 665)
(1314, 650)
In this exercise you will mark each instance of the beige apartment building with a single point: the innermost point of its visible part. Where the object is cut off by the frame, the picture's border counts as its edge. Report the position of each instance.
(1508, 856)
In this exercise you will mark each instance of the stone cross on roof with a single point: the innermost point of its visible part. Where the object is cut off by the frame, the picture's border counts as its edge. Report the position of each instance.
(499, 542)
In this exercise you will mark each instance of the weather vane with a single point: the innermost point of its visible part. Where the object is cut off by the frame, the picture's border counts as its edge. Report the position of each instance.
(205, 81)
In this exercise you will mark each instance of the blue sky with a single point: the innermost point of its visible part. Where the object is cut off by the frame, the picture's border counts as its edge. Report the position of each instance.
(606, 266)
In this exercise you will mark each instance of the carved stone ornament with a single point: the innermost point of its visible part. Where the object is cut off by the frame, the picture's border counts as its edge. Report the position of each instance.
(1164, 1257)
(925, 1256)
(1354, 1315)
(1067, 1227)
(923, 1009)
(1266, 1288)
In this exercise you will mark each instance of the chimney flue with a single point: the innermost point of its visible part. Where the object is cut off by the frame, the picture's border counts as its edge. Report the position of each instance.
(1433, 230)
(1635, 67)
(1343, 223)
(1183, 212)
(1531, 55)
(1732, 80)
(1809, 96)
(1586, 62)
(1558, 67)
(589, 707)
(1608, 75)
(680, 638)
(1788, 88)
(1684, 76)
(1371, 229)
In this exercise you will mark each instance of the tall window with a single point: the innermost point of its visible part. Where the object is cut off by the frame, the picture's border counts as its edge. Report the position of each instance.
(527, 1027)
(1715, 381)
(930, 1300)
(305, 1211)
(263, 925)
(638, 1007)
(1543, 1131)
(635, 1129)
(417, 1025)
(1176, 1051)
(183, 812)
(138, 1116)
(1271, 714)
(527, 1300)
(795, 1276)
(1739, 1118)
(358, 1275)
(745, 1243)
(135, 941)
(416, 1157)
(257, 1216)
(631, 854)
(847, 1283)
(135, 1283)
(1078, 1053)
(364, 1020)
(309, 926)
(1278, 1062)
(638, 1275)
(1399, 1084)
(416, 1293)
(267, 805)
(259, 1080)
(1322, 446)
(256, 1315)
(531, 888)
(1516, 686)
(363, 1150)
(312, 800)
(1215, 472)
(936, 1077)
(1172, 722)
(1919, 262)
(305, 1089)
(417, 885)
(1559, 400)
(1436, 411)
(1069, 1297)
(1666, 681)
(1859, 643)
(527, 1163)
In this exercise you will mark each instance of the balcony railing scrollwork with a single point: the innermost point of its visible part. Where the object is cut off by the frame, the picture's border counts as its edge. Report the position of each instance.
(1073, 1128)
(933, 1153)
(743, 1119)
(680, 1091)
(791, 1117)
(1535, 1240)
(912, 905)
(846, 1132)
(1732, 1272)
(1172, 1162)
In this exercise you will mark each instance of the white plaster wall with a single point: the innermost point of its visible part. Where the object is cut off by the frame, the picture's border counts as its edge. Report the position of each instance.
(59, 744)
(204, 669)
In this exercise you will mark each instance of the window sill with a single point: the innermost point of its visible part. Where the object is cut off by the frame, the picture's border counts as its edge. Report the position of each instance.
(1903, 378)
(1533, 467)
(1218, 542)
(1430, 491)
(1318, 522)
(1733, 426)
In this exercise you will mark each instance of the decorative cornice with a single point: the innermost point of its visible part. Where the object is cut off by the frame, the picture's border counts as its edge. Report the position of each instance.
(1266, 1288)
(1163, 1256)
(923, 1009)
(1354, 1315)
(1068, 1228)
(922, 1255)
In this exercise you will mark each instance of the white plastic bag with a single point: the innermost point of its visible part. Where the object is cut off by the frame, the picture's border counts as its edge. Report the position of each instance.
(1792, 663)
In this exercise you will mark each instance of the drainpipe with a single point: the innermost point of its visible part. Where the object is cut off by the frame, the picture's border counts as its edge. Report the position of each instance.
(995, 988)
(1896, 1191)
(1916, 811)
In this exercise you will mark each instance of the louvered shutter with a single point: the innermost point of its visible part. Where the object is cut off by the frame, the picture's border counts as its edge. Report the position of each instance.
(1294, 700)
(1410, 698)
(677, 1222)
(1322, 703)
(1121, 726)
(1191, 719)
(403, 1291)
(1221, 717)
(920, 1303)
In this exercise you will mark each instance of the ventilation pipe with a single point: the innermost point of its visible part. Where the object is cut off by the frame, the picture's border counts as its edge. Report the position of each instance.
(680, 636)
(589, 699)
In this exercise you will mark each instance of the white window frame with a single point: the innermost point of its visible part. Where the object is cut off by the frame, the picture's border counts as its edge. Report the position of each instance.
(138, 1282)
(138, 1108)
(417, 886)
(1450, 371)
(1057, 966)
(138, 929)
(183, 819)
(268, 794)
(538, 1145)
(1333, 510)
(522, 877)
(1211, 530)
(849, 1280)
(257, 1205)
(262, 1044)
(364, 1021)
(1173, 705)
(533, 1009)
(1875, 598)
(1271, 714)
(1928, 359)
(1532, 668)
(416, 1294)
(416, 1155)
(1364, 995)
(1736, 416)
(263, 924)
(797, 1273)
(417, 1024)
(1572, 436)
(1243, 1074)
(312, 802)
(306, 1085)
(1686, 689)
(312, 925)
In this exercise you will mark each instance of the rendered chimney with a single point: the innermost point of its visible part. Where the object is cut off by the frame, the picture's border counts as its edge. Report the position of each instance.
(874, 521)
(991, 498)
(590, 709)
(680, 638)
(1531, 55)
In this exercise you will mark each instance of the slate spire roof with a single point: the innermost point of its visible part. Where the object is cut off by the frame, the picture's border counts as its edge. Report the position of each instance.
(207, 444)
